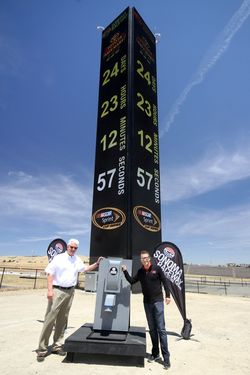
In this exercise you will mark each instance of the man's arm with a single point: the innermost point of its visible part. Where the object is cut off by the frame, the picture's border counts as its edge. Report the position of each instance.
(93, 266)
(131, 280)
(165, 285)
(50, 286)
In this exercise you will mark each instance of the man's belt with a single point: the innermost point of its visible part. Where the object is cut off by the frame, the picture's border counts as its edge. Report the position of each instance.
(63, 287)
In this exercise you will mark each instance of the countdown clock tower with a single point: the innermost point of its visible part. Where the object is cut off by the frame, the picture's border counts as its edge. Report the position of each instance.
(126, 215)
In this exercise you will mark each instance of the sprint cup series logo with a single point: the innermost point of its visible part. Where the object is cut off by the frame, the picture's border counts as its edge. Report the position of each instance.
(108, 218)
(147, 218)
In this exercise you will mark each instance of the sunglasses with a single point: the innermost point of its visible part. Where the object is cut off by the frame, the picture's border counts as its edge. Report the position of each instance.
(73, 247)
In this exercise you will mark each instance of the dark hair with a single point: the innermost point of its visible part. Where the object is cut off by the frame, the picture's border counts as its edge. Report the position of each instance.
(145, 252)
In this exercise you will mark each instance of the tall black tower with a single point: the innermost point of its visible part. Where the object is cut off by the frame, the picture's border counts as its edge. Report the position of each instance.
(126, 215)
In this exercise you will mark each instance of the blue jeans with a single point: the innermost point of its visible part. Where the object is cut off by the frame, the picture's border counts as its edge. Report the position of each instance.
(156, 323)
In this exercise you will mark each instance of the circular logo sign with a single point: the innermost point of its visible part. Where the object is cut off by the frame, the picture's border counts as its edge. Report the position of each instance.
(56, 247)
(113, 271)
(108, 218)
(147, 218)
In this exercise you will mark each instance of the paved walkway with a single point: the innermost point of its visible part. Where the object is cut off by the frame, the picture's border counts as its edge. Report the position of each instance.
(220, 343)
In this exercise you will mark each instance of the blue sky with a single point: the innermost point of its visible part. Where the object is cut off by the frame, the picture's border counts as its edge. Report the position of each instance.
(49, 74)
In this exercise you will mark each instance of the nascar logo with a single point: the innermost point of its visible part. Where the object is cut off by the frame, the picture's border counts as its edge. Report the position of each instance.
(169, 252)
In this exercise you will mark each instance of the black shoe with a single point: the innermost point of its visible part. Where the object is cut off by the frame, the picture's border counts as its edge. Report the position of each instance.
(59, 352)
(154, 358)
(166, 365)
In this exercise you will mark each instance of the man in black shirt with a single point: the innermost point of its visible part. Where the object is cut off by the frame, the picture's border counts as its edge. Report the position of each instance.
(152, 278)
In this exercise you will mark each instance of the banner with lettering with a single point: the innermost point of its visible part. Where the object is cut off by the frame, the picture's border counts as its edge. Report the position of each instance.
(168, 256)
(56, 247)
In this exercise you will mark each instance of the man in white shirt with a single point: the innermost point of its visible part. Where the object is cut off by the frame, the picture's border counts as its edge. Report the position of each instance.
(62, 274)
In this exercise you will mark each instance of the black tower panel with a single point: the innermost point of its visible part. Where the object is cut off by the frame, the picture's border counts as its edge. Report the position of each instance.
(126, 215)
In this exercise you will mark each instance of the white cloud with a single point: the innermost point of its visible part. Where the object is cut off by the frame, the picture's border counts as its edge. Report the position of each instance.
(20, 175)
(56, 200)
(212, 172)
(214, 53)
(34, 239)
(210, 235)
(221, 224)
(206, 235)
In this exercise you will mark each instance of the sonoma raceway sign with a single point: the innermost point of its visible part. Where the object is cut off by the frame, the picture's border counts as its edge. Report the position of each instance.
(172, 271)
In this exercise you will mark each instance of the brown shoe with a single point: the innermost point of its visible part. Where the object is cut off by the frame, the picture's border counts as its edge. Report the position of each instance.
(41, 354)
(59, 351)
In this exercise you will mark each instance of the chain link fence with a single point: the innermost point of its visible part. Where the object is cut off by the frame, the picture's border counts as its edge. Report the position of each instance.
(12, 278)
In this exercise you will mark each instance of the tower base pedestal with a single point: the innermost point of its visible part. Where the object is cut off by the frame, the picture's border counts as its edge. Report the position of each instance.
(92, 346)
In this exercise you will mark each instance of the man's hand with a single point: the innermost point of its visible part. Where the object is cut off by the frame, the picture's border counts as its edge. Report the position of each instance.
(98, 260)
(167, 300)
(124, 268)
(50, 294)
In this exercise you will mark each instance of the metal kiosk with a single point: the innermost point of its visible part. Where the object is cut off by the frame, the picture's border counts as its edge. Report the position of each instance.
(111, 333)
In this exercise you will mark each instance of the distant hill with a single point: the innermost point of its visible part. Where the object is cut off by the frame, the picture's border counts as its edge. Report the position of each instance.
(223, 271)
(40, 262)
(31, 262)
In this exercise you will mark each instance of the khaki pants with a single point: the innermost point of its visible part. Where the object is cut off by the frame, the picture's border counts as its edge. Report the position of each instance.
(57, 314)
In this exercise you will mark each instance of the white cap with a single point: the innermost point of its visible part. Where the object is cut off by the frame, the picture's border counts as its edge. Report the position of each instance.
(73, 241)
